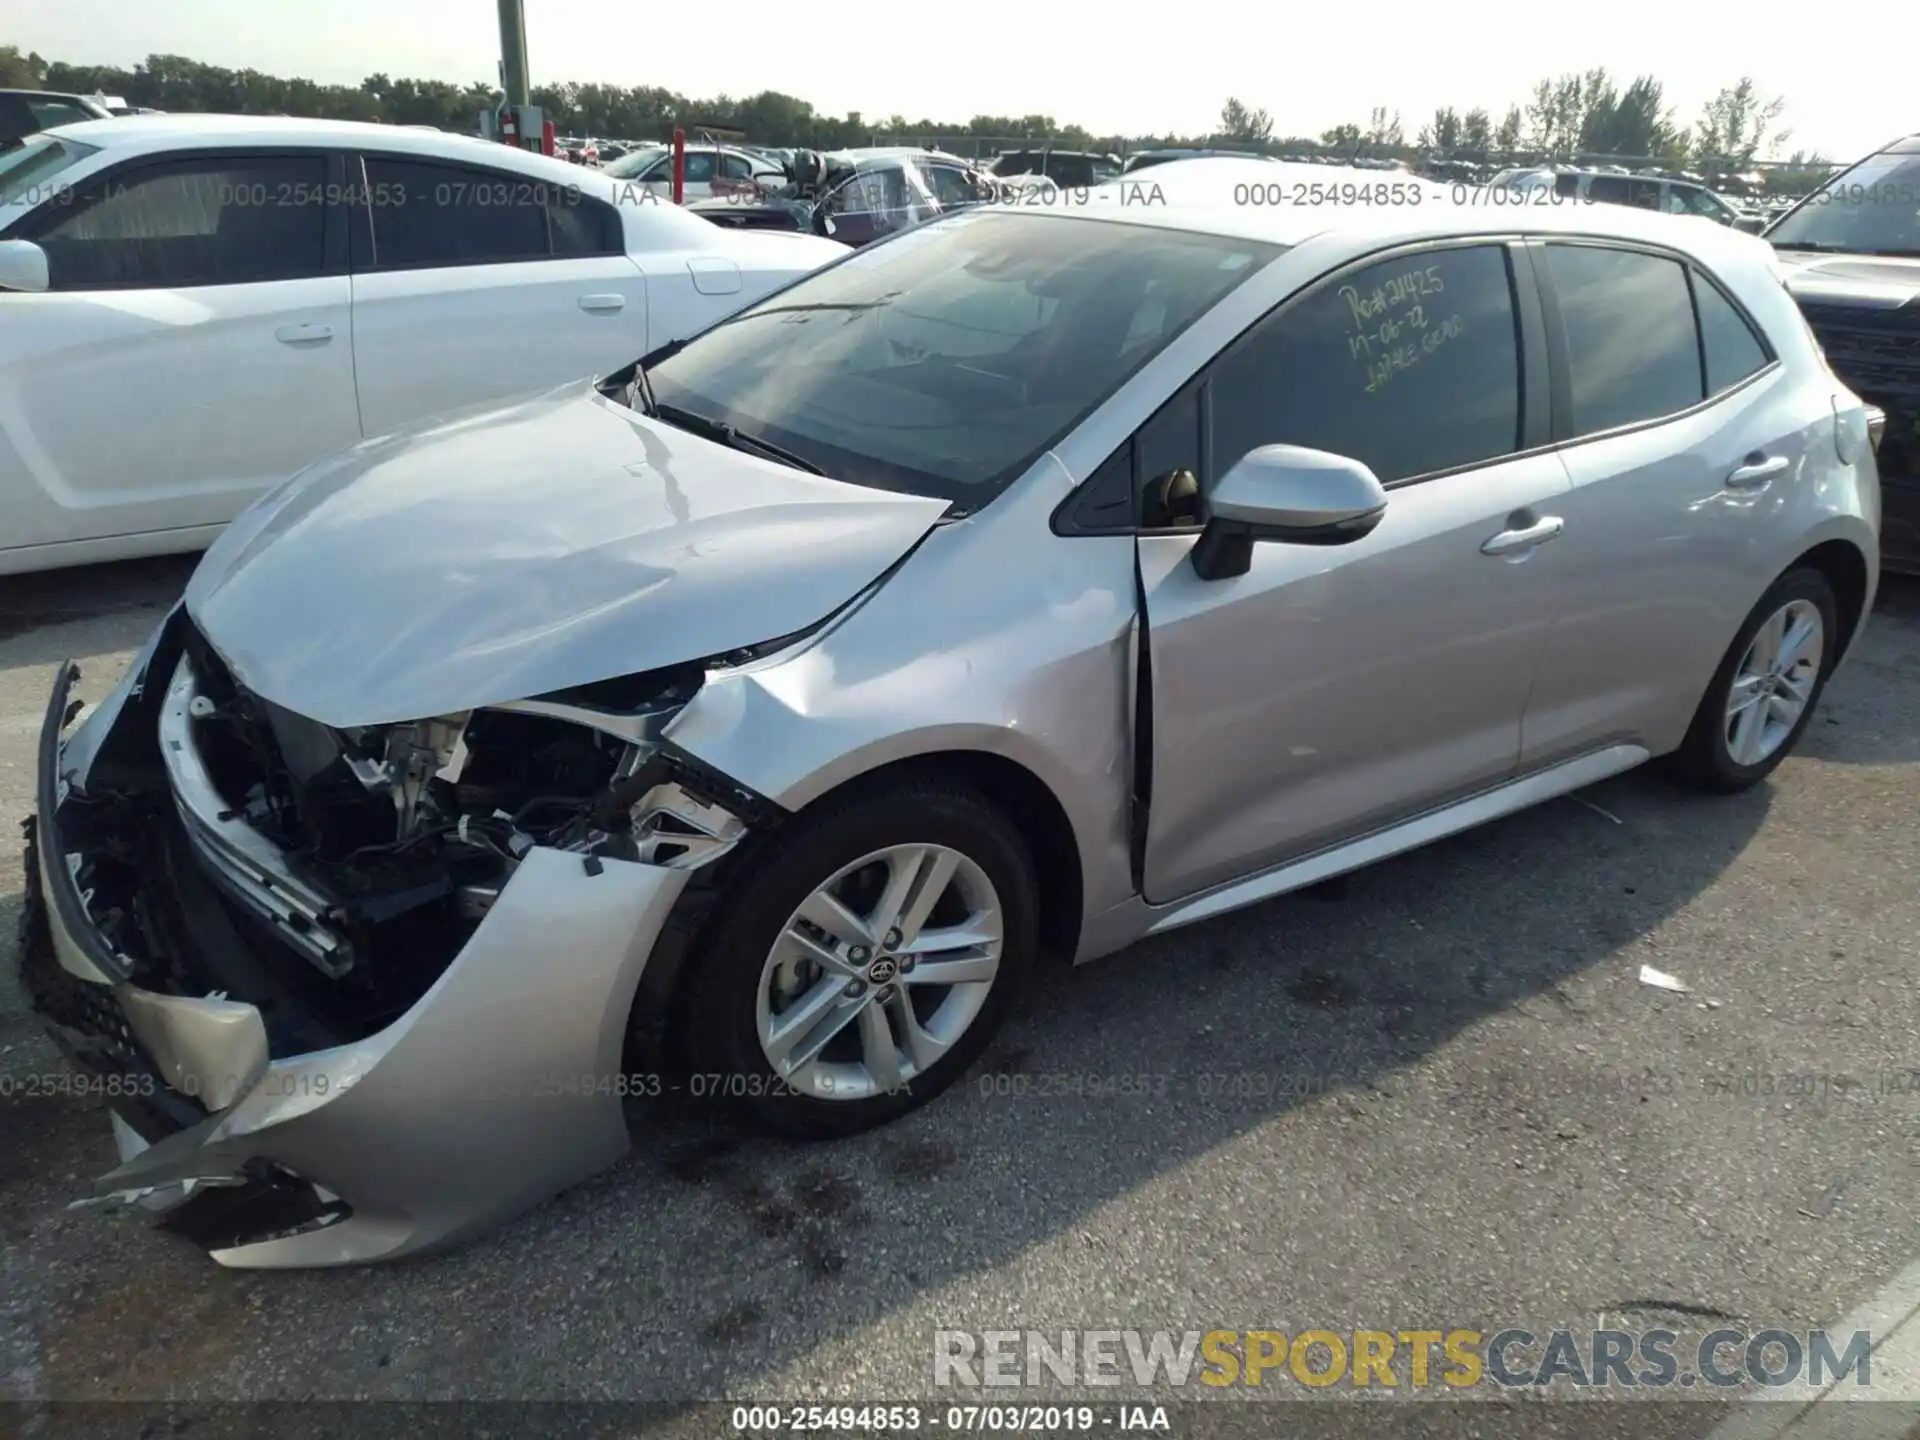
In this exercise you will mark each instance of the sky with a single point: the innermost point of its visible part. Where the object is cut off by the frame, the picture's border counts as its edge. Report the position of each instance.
(1121, 71)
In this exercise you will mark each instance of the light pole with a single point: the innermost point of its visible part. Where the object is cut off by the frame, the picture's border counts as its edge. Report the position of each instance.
(516, 122)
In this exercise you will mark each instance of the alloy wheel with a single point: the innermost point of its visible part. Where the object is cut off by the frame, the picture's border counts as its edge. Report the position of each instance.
(879, 971)
(1774, 682)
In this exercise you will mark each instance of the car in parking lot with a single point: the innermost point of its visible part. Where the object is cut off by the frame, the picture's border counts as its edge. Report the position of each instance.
(28, 112)
(1148, 159)
(857, 196)
(244, 296)
(711, 170)
(1852, 252)
(1030, 579)
(1649, 192)
(1069, 169)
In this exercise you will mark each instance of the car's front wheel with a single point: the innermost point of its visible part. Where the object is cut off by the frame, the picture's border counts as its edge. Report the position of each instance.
(863, 960)
(1763, 695)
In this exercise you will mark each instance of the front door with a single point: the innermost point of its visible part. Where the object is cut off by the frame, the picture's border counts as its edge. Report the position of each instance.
(194, 348)
(1333, 690)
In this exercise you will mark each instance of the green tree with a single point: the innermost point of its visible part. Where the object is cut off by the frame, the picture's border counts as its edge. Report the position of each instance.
(1245, 126)
(1384, 129)
(1737, 123)
(21, 72)
(1443, 133)
(1507, 135)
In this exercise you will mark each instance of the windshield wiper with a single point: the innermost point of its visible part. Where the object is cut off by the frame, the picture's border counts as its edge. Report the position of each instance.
(731, 436)
(1810, 245)
(637, 391)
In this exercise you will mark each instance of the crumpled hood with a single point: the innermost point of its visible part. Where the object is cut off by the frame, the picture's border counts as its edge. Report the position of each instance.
(1880, 282)
(505, 552)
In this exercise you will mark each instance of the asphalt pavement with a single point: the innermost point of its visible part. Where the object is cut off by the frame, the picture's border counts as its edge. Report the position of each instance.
(1437, 1096)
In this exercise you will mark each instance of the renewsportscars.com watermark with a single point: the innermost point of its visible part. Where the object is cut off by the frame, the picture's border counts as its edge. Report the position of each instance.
(1449, 1359)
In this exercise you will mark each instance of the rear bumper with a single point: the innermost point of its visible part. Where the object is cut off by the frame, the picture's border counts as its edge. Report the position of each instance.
(500, 1086)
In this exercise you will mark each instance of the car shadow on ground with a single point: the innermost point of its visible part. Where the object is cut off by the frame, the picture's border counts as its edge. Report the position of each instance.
(1108, 1081)
(1110, 1078)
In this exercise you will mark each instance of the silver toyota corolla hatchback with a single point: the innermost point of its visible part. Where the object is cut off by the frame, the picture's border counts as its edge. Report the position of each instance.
(744, 724)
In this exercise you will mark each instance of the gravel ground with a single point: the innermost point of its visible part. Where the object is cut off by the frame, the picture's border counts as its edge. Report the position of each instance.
(1447, 1101)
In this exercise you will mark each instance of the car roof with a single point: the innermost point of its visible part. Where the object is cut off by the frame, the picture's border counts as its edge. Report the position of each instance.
(1221, 195)
(130, 136)
(46, 94)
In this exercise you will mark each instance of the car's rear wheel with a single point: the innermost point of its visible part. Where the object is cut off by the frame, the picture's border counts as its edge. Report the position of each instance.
(863, 960)
(1764, 693)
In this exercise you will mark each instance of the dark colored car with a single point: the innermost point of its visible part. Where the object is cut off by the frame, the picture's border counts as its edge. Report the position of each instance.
(28, 112)
(1852, 251)
(1143, 159)
(858, 196)
(1069, 169)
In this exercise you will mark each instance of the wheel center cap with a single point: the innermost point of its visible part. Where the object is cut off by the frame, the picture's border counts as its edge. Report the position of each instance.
(883, 971)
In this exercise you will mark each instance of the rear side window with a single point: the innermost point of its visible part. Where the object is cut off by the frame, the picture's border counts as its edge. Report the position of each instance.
(1410, 365)
(1632, 351)
(583, 226)
(1609, 189)
(49, 113)
(1729, 349)
(187, 223)
(428, 214)
(16, 120)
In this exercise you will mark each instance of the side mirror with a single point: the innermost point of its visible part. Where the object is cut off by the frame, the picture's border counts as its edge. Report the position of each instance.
(1751, 224)
(23, 266)
(1290, 494)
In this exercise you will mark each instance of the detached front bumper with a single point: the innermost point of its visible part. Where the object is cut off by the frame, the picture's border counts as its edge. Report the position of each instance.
(499, 1087)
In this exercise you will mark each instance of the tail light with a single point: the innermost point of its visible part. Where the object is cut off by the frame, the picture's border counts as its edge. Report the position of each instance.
(1876, 426)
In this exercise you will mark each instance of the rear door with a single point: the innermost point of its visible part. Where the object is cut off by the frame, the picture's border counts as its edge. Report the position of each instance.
(193, 350)
(472, 284)
(1332, 690)
(1684, 436)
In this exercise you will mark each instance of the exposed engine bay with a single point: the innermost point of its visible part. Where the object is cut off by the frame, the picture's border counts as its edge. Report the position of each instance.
(358, 862)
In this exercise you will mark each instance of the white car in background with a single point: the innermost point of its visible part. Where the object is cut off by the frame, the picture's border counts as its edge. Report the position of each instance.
(192, 308)
(712, 170)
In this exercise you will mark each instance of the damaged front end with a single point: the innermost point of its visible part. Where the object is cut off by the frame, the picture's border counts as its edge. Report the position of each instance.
(357, 993)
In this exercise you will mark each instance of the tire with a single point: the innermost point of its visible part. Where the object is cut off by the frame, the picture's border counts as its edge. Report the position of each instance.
(741, 1002)
(1717, 755)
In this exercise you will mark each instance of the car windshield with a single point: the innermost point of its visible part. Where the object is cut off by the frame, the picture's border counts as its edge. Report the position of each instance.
(1872, 209)
(945, 361)
(25, 173)
(629, 165)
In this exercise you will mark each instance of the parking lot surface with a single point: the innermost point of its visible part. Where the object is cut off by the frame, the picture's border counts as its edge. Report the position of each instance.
(1437, 1096)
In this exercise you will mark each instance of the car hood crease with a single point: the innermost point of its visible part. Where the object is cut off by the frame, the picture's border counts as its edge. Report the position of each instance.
(496, 554)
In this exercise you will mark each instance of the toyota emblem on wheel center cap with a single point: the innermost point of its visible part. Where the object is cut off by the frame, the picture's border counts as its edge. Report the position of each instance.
(883, 970)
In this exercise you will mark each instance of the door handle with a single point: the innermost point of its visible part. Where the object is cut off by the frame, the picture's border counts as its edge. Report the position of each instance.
(1512, 542)
(602, 304)
(303, 334)
(1757, 472)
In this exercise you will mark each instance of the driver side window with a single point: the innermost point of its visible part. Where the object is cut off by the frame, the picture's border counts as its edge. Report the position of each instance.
(1410, 365)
